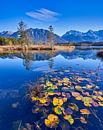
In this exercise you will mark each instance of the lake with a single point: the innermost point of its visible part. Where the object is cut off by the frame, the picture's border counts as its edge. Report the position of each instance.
(19, 70)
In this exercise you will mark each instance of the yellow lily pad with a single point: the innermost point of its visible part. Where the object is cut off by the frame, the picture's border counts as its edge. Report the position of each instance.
(49, 84)
(73, 107)
(69, 119)
(100, 98)
(43, 100)
(75, 94)
(34, 98)
(58, 110)
(87, 104)
(85, 111)
(65, 79)
(87, 101)
(89, 86)
(100, 104)
(79, 98)
(57, 101)
(52, 121)
(78, 87)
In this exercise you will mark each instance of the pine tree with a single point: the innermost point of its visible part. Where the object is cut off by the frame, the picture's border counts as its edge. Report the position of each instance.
(23, 35)
(51, 36)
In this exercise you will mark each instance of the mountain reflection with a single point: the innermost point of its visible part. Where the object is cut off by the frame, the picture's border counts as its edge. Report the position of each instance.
(38, 56)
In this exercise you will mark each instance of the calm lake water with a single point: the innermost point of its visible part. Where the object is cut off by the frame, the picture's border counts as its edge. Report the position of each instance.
(19, 70)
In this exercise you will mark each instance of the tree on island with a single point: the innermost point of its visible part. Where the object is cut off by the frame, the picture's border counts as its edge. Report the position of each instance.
(51, 36)
(24, 37)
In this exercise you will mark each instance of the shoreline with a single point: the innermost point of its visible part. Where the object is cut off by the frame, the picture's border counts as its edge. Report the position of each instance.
(8, 48)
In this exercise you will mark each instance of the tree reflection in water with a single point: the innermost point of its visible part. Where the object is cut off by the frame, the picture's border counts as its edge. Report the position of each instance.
(51, 60)
(27, 59)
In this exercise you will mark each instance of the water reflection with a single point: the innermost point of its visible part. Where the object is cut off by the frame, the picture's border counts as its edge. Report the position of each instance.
(19, 69)
(32, 55)
(51, 60)
(27, 60)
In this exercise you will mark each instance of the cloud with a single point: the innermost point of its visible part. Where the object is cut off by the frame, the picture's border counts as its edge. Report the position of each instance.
(43, 15)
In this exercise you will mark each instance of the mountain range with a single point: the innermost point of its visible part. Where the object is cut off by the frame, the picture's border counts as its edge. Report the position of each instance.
(40, 35)
(37, 35)
(89, 36)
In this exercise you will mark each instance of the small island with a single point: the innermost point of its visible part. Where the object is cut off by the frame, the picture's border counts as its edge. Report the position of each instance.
(25, 42)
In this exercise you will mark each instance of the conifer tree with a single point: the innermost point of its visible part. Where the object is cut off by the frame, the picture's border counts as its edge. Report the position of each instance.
(23, 34)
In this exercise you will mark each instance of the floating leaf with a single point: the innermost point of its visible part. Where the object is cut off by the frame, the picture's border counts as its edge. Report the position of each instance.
(69, 119)
(57, 101)
(87, 104)
(85, 111)
(100, 104)
(87, 101)
(100, 98)
(64, 99)
(58, 110)
(75, 94)
(34, 99)
(95, 104)
(68, 111)
(83, 120)
(78, 87)
(36, 110)
(60, 81)
(43, 100)
(65, 79)
(86, 93)
(65, 84)
(63, 94)
(54, 79)
(65, 89)
(100, 92)
(68, 95)
(73, 107)
(79, 98)
(53, 87)
(49, 84)
(89, 86)
(52, 121)
(53, 93)
(94, 97)
(80, 79)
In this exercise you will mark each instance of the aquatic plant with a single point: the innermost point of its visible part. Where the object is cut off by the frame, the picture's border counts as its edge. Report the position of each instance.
(64, 96)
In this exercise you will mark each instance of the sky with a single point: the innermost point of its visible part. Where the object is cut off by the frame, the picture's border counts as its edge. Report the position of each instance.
(63, 15)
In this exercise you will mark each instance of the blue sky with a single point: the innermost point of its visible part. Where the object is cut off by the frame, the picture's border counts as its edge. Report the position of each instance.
(64, 15)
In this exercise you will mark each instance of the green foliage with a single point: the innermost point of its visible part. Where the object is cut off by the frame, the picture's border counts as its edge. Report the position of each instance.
(23, 34)
(51, 36)
(8, 41)
(23, 39)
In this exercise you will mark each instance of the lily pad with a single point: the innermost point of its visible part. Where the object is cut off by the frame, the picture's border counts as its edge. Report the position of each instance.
(85, 111)
(52, 121)
(69, 119)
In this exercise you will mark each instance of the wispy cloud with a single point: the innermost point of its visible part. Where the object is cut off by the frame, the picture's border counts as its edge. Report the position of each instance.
(43, 15)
